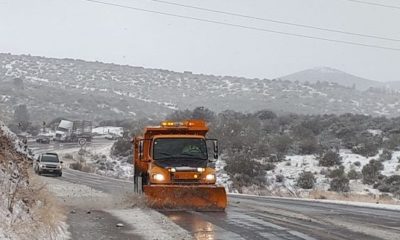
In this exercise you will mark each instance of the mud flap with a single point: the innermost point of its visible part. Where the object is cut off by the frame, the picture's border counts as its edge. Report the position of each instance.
(200, 198)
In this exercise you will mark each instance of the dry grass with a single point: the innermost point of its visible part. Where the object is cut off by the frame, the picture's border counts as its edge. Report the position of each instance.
(46, 216)
(81, 166)
(33, 212)
(353, 197)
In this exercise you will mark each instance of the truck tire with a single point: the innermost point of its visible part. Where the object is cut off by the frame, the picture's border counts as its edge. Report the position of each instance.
(136, 180)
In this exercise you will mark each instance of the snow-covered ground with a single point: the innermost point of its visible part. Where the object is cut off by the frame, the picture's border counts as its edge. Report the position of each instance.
(117, 131)
(294, 165)
(98, 159)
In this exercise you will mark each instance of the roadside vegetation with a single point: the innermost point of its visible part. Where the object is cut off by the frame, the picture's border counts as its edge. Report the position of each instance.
(253, 143)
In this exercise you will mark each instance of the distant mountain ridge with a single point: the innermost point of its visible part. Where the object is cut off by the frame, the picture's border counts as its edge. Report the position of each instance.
(93, 90)
(327, 74)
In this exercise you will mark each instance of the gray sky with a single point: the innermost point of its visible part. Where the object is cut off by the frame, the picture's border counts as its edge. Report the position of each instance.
(84, 30)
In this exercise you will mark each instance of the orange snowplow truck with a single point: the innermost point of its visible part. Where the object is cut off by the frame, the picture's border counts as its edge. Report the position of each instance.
(173, 169)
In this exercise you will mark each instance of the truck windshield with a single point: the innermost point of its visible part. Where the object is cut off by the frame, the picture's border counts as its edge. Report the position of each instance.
(180, 148)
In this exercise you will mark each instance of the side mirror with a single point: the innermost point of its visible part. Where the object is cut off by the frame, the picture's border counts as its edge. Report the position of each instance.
(215, 144)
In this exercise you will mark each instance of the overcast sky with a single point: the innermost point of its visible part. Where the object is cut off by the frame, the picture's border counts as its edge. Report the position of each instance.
(91, 31)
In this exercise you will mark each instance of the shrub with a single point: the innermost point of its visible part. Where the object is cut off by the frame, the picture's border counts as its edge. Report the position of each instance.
(353, 174)
(279, 178)
(336, 173)
(340, 184)
(371, 171)
(385, 155)
(357, 164)
(68, 156)
(122, 147)
(330, 158)
(306, 180)
(367, 149)
(76, 166)
(244, 170)
(390, 184)
(269, 166)
(282, 144)
(308, 145)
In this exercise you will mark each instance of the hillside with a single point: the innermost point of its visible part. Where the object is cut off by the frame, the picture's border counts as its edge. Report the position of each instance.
(326, 74)
(93, 90)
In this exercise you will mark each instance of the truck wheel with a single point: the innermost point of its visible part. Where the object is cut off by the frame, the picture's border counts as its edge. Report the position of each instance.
(136, 180)
(135, 184)
(144, 182)
(60, 174)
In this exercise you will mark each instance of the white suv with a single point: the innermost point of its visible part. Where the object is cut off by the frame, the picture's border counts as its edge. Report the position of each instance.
(48, 163)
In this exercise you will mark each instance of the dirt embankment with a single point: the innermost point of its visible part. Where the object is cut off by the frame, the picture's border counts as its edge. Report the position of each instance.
(27, 210)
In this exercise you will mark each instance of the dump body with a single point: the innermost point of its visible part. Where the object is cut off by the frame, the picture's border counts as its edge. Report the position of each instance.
(173, 169)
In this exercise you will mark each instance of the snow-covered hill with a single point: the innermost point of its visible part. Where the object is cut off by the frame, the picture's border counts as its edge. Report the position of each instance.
(93, 90)
(326, 74)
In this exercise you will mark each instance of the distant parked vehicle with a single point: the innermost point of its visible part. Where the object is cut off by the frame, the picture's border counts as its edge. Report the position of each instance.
(43, 139)
(48, 163)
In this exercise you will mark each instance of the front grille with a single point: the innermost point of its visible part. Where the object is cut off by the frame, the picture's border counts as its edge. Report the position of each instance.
(186, 181)
(51, 166)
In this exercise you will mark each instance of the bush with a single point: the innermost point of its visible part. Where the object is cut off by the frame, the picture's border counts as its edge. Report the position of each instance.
(122, 147)
(306, 180)
(367, 149)
(330, 158)
(337, 173)
(371, 171)
(340, 184)
(390, 184)
(244, 170)
(353, 174)
(357, 164)
(68, 156)
(308, 145)
(385, 155)
(76, 166)
(282, 144)
(279, 178)
(269, 166)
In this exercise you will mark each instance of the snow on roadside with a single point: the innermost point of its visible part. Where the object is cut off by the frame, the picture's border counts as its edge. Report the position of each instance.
(150, 224)
(118, 131)
(223, 178)
(108, 165)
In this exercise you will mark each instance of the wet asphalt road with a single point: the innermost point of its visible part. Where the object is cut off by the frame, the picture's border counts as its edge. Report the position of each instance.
(249, 217)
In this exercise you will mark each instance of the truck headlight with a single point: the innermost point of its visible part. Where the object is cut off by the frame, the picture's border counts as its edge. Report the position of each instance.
(158, 177)
(200, 169)
(41, 165)
(210, 177)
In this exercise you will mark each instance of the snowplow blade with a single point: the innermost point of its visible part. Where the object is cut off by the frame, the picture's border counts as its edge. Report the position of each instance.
(200, 198)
